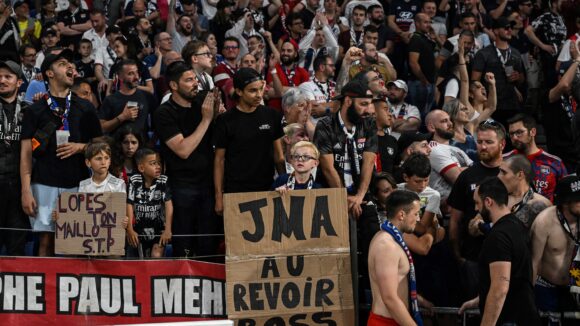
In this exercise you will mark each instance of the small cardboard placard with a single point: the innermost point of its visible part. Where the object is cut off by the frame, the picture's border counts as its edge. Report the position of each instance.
(288, 258)
(90, 224)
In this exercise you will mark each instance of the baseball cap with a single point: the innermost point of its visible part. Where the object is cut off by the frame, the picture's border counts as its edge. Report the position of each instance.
(567, 190)
(18, 3)
(502, 22)
(408, 138)
(49, 31)
(245, 76)
(12, 66)
(399, 84)
(52, 58)
(354, 89)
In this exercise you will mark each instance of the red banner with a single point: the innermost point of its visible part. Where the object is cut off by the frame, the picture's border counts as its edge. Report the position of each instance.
(63, 291)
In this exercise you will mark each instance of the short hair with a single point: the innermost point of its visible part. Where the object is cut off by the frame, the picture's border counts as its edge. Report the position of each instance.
(359, 7)
(95, 148)
(494, 188)
(22, 49)
(125, 62)
(231, 39)
(320, 61)
(370, 29)
(84, 40)
(97, 11)
(190, 49)
(400, 200)
(142, 153)
(417, 165)
(175, 70)
(378, 177)
(78, 82)
(493, 125)
(292, 96)
(292, 128)
(467, 14)
(527, 120)
(307, 144)
(466, 32)
(418, 17)
(256, 36)
(373, 7)
(290, 18)
(520, 163)
(426, 1)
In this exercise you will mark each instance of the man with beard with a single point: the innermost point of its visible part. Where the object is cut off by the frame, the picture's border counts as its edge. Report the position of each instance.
(317, 42)
(347, 141)
(505, 292)
(466, 248)
(128, 106)
(407, 117)
(55, 131)
(97, 34)
(320, 90)
(139, 10)
(369, 61)
(184, 130)
(422, 65)
(248, 141)
(140, 40)
(548, 169)
(354, 35)
(180, 28)
(447, 161)
(556, 252)
(506, 64)
(11, 109)
(72, 23)
(376, 17)
(285, 74)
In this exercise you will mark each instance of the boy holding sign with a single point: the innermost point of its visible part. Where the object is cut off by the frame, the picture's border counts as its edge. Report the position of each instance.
(149, 206)
(304, 159)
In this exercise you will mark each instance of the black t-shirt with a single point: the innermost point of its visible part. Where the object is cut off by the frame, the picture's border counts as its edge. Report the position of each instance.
(487, 60)
(84, 125)
(511, 6)
(248, 140)
(404, 12)
(563, 138)
(508, 241)
(148, 205)
(66, 17)
(172, 119)
(425, 47)
(10, 129)
(461, 198)
(85, 69)
(387, 152)
(114, 104)
(330, 138)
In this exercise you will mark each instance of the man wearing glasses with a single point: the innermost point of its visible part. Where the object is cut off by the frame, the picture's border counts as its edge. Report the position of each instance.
(466, 248)
(197, 54)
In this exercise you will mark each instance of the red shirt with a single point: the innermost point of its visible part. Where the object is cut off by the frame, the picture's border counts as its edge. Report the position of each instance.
(300, 75)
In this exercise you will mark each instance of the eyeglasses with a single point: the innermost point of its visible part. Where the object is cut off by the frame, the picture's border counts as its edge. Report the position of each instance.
(231, 47)
(302, 158)
(517, 133)
(30, 55)
(491, 124)
(207, 54)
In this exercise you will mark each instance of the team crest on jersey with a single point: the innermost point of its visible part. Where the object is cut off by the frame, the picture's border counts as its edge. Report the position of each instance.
(545, 169)
(575, 186)
(414, 8)
(473, 186)
(391, 151)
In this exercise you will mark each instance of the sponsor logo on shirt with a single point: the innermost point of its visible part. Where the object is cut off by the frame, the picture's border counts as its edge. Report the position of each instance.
(264, 127)
(575, 186)
(337, 146)
(473, 186)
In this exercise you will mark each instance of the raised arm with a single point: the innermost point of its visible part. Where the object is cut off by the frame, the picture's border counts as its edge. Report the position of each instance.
(565, 83)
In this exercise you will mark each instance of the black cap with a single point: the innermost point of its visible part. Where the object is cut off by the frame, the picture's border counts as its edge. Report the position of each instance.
(52, 58)
(245, 76)
(49, 31)
(224, 4)
(18, 3)
(567, 190)
(408, 138)
(12, 66)
(354, 89)
(503, 22)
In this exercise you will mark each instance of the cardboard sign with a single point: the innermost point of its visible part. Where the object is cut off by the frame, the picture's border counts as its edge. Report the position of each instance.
(288, 258)
(90, 224)
(68, 291)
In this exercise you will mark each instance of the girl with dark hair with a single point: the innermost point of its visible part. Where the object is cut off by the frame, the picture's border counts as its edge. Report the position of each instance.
(127, 142)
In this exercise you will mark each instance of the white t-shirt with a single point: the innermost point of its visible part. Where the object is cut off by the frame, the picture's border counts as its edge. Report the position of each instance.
(410, 111)
(444, 157)
(430, 199)
(565, 52)
(97, 41)
(452, 88)
(105, 58)
(110, 184)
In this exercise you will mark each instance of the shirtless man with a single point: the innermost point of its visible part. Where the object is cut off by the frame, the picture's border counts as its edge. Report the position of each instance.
(553, 248)
(389, 265)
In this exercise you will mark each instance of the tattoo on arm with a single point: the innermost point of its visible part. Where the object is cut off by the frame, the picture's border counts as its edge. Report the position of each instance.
(503, 278)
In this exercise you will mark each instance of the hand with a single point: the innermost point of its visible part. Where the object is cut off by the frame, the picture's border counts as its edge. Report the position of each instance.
(514, 77)
(304, 115)
(37, 97)
(353, 54)
(428, 305)
(354, 207)
(473, 226)
(29, 204)
(549, 48)
(165, 237)
(273, 61)
(573, 51)
(125, 222)
(318, 109)
(38, 76)
(267, 35)
(473, 303)
(461, 47)
(219, 205)
(490, 78)
(129, 113)
(54, 215)
(103, 85)
(69, 149)
(322, 19)
(207, 108)
(132, 238)
(283, 190)
(158, 53)
(406, 36)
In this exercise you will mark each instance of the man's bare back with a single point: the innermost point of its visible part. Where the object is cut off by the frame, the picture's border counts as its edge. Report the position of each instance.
(388, 271)
(551, 247)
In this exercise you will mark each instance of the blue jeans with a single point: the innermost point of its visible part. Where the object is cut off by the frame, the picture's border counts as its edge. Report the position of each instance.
(421, 96)
(193, 214)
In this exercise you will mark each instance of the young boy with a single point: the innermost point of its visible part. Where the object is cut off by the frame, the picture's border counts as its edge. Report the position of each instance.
(98, 159)
(304, 158)
(149, 206)
(86, 65)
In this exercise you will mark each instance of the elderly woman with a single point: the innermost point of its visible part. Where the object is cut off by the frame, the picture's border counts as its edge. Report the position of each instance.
(296, 108)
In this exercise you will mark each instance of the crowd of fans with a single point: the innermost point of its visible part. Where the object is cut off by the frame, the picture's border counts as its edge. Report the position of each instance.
(178, 102)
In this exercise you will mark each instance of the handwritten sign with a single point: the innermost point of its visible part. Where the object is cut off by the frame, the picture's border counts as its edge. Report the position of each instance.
(90, 224)
(287, 258)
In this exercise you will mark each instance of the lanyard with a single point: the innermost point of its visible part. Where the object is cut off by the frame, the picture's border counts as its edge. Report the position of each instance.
(112, 54)
(500, 56)
(291, 183)
(289, 75)
(402, 111)
(61, 113)
(567, 229)
(353, 37)
(231, 70)
(329, 88)
(9, 128)
(529, 195)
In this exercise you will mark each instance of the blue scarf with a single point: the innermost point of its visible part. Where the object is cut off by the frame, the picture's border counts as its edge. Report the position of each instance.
(388, 227)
